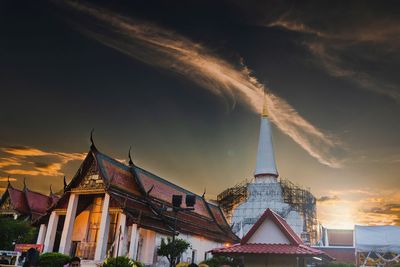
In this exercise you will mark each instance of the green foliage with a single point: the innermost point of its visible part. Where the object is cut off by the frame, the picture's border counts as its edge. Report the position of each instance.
(121, 262)
(53, 259)
(340, 264)
(217, 261)
(172, 250)
(18, 231)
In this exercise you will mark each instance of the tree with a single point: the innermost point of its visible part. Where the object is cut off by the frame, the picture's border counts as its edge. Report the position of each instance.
(121, 261)
(53, 259)
(172, 250)
(18, 231)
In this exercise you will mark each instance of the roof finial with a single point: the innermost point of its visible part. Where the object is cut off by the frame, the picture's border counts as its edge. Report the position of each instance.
(25, 187)
(65, 182)
(130, 158)
(8, 181)
(265, 107)
(204, 193)
(92, 146)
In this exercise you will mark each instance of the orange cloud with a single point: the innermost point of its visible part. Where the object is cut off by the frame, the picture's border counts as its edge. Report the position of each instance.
(5, 162)
(35, 162)
(25, 151)
(361, 206)
(6, 179)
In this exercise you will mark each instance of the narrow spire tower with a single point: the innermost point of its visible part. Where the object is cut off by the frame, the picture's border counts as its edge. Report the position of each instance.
(266, 170)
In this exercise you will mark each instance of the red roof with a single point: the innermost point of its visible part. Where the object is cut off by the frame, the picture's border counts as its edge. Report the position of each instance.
(28, 203)
(18, 200)
(38, 203)
(269, 249)
(295, 247)
(163, 190)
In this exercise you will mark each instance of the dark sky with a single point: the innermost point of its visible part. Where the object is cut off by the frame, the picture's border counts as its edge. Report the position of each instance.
(180, 82)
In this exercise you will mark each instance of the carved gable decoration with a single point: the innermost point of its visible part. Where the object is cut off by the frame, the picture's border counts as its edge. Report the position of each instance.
(6, 206)
(92, 180)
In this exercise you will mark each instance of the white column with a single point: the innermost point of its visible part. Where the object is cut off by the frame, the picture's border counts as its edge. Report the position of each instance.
(65, 243)
(102, 239)
(51, 232)
(134, 242)
(149, 245)
(123, 235)
(42, 234)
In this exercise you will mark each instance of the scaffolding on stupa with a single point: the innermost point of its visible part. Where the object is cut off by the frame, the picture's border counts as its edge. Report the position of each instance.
(230, 198)
(300, 199)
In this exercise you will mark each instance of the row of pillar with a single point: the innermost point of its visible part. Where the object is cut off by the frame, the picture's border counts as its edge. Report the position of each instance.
(47, 234)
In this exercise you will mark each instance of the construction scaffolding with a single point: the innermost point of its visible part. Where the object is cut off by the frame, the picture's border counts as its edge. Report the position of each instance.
(232, 197)
(299, 199)
(304, 202)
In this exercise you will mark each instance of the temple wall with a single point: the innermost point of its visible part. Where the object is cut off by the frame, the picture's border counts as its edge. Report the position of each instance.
(200, 246)
(80, 226)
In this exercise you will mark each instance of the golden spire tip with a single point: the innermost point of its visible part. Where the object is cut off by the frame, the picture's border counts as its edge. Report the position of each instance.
(265, 108)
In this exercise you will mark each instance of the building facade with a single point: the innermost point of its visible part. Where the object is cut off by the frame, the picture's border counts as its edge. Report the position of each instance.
(111, 209)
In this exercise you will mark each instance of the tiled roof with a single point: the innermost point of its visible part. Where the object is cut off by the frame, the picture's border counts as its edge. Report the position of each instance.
(296, 246)
(18, 200)
(163, 190)
(29, 203)
(340, 237)
(117, 173)
(37, 202)
(269, 249)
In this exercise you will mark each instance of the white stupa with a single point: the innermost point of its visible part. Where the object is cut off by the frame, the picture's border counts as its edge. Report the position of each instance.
(265, 192)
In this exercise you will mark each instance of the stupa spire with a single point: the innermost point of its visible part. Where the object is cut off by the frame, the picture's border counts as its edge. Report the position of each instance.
(266, 170)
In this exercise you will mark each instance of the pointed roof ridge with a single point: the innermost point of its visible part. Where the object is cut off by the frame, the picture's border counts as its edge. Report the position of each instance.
(213, 216)
(35, 192)
(9, 182)
(279, 221)
(18, 200)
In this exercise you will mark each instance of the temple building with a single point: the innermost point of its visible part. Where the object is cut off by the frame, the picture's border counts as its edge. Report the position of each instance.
(25, 204)
(109, 209)
(244, 203)
(272, 242)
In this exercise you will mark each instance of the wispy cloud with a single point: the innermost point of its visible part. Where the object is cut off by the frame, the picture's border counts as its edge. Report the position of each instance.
(330, 47)
(169, 50)
(328, 198)
(21, 160)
